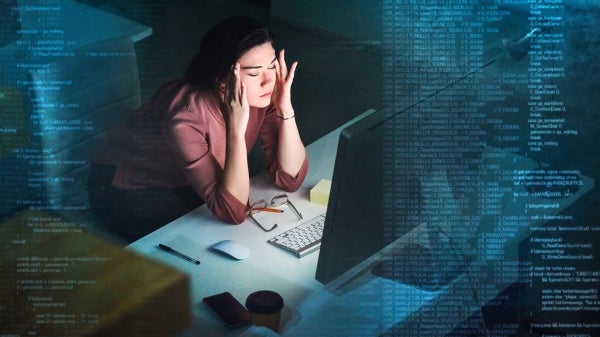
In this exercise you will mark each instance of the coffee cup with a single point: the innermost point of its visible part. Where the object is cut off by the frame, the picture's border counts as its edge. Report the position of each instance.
(265, 308)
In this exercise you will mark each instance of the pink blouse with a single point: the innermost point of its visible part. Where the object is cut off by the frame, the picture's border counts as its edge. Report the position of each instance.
(178, 138)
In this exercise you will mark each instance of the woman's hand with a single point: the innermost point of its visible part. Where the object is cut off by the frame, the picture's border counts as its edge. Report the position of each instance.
(281, 98)
(236, 110)
(236, 113)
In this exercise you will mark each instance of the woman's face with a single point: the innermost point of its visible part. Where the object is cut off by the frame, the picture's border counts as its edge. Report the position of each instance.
(257, 71)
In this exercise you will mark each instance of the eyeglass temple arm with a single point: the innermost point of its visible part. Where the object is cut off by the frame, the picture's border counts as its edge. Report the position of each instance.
(295, 210)
(260, 225)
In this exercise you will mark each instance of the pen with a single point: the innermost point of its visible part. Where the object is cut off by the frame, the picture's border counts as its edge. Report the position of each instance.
(267, 209)
(174, 252)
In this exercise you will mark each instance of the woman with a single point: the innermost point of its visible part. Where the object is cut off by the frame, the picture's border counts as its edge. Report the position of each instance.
(189, 144)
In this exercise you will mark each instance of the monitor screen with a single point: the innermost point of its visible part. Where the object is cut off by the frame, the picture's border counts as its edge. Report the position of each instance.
(385, 164)
(408, 164)
(354, 201)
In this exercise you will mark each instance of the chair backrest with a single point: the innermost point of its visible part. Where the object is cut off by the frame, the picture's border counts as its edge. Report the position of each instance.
(77, 100)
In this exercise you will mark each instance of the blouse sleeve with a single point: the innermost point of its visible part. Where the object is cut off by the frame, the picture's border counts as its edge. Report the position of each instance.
(191, 147)
(269, 135)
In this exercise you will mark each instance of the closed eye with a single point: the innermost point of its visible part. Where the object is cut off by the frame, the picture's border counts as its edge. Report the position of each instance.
(254, 75)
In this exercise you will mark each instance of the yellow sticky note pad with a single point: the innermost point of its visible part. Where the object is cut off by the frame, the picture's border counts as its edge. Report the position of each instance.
(319, 194)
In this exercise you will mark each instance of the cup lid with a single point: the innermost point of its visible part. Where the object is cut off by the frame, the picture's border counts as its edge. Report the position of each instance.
(264, 302)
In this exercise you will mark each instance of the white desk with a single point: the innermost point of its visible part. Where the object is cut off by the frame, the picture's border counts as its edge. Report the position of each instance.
(268, 267)
(364, 308)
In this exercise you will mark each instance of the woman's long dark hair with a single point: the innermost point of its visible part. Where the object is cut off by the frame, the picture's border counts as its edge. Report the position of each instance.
(221, 47)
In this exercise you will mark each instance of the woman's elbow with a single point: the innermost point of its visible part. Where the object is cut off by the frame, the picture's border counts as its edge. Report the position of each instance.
(290, 188)
(232, 218)
(287, 182)
(233, 215)
(238, 219)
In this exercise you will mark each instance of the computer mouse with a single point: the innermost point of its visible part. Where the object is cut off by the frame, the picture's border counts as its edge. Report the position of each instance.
(232, 249)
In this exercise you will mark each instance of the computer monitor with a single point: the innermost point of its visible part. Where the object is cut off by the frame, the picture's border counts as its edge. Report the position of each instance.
(354, 200)
(374, 199)
(396, 169)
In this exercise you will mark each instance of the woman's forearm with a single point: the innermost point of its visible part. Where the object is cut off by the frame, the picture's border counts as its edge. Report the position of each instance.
(235, 177)
(290, 151)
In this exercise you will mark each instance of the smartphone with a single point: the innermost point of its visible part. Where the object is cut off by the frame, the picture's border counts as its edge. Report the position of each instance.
(232, 312)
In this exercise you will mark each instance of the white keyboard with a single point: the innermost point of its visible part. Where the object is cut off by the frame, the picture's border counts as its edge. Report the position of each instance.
(302, 239)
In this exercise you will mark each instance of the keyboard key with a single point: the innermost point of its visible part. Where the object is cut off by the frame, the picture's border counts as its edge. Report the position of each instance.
(302, 239)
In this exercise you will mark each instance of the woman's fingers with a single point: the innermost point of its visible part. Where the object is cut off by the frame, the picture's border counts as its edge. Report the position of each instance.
(281, 63)
(237, 85)
(235, 101)
(243, 95)
(233, 88)
(230, 86)
(283, 73)
(281, 97)
(292, 71)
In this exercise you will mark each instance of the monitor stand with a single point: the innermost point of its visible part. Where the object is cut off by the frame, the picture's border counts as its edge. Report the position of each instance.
(421, 267)
(422, 258)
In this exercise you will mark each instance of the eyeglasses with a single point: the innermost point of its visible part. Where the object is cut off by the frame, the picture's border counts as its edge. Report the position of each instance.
(276, 202)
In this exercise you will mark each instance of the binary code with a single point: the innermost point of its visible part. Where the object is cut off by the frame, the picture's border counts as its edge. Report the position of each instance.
(476, 151)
